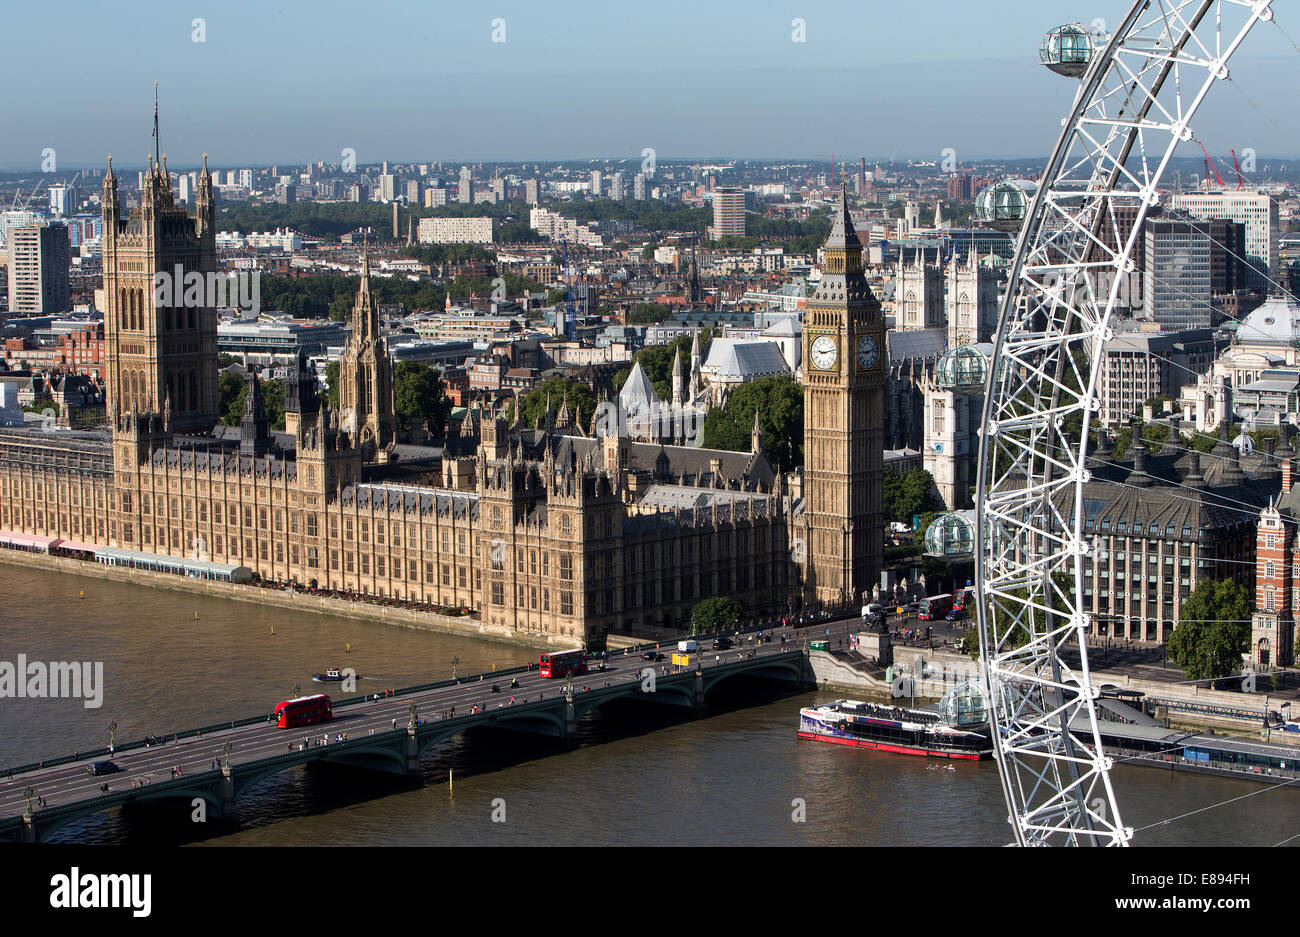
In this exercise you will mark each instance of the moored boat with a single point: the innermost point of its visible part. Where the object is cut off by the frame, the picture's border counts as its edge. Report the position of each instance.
(894, 729)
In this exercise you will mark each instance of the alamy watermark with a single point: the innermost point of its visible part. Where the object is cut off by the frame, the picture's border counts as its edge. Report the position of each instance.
(195, 290)
(54, 680)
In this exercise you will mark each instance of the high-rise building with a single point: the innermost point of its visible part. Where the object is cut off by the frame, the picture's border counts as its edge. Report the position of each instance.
(616, 187)
(530, 191)
(498, 190)
(455, 231)
(465, 193)
(1176, 291)
(40, 257)
(728, 212)
(638, 187)
(246, 178)
(387, 187)
(1258, 211)
(185, 185)
(843, 377)
(595, 183)
(63, 200)
(413, 191)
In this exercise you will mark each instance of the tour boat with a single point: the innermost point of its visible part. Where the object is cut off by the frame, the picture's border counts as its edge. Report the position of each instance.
(893, 729)
(333, 675)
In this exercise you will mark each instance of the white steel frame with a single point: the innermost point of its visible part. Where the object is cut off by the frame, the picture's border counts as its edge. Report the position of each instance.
(1133, 107)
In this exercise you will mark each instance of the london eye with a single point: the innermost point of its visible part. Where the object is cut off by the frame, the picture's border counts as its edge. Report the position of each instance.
(1140, 86)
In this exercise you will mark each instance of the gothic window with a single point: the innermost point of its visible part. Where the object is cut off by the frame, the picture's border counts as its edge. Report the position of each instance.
(938, 416)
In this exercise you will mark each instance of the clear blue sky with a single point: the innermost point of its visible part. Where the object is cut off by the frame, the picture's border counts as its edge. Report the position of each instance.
(291, 81)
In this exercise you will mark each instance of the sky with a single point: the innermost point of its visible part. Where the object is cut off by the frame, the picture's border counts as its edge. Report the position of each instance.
(283, 81)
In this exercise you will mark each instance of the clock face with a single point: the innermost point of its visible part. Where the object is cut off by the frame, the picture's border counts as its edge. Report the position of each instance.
(823, 353)
(868, 353)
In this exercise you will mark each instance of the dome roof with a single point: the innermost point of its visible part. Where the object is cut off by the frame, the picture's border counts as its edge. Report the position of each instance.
(1277, 321)
(964, 366)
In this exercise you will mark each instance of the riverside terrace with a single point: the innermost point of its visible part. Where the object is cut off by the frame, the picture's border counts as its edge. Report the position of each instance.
(221, 763)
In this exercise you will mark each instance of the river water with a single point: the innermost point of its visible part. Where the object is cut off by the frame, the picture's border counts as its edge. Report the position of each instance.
(641, 775)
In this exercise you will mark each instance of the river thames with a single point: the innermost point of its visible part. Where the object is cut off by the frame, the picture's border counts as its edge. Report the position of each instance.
(735, 775)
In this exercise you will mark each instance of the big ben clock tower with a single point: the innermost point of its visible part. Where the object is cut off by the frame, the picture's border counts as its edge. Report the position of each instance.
(844, 415)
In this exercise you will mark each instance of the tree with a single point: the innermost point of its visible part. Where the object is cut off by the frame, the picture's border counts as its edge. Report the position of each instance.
(779, 403)
(657, 360)
(330, 394)
(1213, 630)
(715, 614)
(230, 398)
(909, 494)
(557, 390)
(646, 313)
(232, 393)
(418, 394)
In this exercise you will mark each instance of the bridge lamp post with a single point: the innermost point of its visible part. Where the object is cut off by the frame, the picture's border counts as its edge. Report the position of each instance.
(225, 750)
(112, 734)
(411, 709)
(454, 662)
(293, 694)
(28, 794)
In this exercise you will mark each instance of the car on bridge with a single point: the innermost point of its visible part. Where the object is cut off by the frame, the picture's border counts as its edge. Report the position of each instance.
(652, 656)
(721, 643)
(103, 767)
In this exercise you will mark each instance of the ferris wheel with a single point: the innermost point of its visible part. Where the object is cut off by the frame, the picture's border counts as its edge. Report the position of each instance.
(1140, 86)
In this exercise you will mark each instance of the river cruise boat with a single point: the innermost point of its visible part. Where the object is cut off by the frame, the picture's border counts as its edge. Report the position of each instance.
(898, 729)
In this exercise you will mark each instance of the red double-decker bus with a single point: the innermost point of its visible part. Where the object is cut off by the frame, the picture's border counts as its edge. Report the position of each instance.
(303, 711)
(564, 663)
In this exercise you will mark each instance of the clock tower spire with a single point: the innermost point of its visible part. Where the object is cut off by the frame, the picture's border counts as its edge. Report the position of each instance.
(844, 415)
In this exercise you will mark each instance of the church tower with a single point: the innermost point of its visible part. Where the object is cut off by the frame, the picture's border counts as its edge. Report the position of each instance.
(972, 302)
(366, 378)
(843, 380)
(918, 294)
(160, 337)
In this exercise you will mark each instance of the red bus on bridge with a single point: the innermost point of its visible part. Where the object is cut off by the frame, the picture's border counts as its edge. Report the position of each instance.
(303, 711)
(564, 663)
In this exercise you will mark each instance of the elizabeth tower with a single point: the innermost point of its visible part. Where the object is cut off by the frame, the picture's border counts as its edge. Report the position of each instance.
(844, 415)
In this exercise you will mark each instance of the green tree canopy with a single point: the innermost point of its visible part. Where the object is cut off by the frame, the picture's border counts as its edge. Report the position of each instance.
(779, 404)
(419, 394)
(646, 313)
(1213, 630)
(557, 389)
(232, 392)
(909, 494)
(657, 361)
(714, 614)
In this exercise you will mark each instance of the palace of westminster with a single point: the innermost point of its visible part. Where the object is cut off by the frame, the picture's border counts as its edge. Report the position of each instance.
(547, 530)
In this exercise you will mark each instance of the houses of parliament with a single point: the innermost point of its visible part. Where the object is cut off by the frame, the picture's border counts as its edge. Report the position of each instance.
(549, 530)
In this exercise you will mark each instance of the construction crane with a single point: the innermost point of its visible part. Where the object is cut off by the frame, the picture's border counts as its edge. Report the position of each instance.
(1237, 166)
(1209, 167)
(19, 206)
